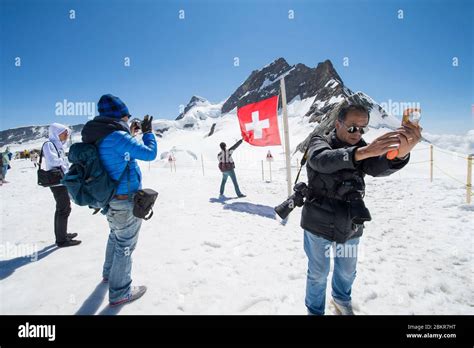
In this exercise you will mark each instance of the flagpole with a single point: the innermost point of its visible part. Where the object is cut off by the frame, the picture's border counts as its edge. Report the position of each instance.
(287, 135)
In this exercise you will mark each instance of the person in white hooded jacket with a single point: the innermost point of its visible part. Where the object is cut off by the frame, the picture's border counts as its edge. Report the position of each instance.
(55, 157)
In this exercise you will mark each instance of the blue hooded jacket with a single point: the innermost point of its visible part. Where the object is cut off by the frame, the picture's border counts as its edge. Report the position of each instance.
(115, 146)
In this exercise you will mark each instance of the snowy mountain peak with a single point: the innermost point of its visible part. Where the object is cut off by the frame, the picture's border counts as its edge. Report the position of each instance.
(301, 81)
(198, 109)
(274, 69)
(259, 85)
(277, 62)
(195, 100)
(326, 72)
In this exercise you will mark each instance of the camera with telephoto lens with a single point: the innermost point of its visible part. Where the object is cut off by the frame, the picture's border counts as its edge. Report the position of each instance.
(353, 192)
(295, 200)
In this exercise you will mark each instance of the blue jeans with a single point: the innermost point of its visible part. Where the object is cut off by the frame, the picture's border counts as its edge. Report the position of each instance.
(345, 260)
(4, 170)
(225, 175)
(124, 228)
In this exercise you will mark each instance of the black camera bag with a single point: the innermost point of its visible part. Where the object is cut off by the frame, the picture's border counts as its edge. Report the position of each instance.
(143, 203)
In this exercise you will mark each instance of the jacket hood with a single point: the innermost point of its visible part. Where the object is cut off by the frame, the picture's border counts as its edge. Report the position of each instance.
(100, 127)
(55, 129)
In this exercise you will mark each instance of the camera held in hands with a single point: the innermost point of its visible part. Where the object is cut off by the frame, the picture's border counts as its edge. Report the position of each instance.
(145, 126)
(135, 125)
(297, 199)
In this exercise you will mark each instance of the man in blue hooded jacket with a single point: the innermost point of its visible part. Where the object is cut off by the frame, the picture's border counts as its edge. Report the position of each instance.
(118, 151)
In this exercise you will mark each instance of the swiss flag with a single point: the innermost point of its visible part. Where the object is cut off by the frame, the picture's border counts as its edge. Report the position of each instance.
(259, 122)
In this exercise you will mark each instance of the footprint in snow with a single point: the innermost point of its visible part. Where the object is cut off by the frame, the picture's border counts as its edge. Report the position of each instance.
(252, 303)
(211, 244)
(296, 276)
(371, 296)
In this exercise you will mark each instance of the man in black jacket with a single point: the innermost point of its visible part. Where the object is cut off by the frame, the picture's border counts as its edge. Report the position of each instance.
(334, 213)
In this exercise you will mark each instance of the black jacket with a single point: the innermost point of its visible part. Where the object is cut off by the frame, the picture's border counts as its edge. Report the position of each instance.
(330, 166)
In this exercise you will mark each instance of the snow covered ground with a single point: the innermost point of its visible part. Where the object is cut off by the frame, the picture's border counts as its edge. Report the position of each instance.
(203, 255)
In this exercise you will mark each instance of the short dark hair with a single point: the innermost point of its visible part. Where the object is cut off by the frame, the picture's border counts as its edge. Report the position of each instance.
(352, 107)
(222, 145)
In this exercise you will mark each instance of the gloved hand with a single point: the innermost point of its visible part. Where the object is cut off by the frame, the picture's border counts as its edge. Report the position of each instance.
(146, 124)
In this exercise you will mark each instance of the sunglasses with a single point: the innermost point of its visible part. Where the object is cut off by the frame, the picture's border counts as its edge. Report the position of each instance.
(353, 129)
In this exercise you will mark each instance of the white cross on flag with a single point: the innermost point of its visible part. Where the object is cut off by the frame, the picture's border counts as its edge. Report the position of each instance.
(259, 122)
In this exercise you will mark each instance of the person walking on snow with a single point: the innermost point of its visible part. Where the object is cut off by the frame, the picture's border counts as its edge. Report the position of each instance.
(55, 157)
(119, 151)
(227, 166)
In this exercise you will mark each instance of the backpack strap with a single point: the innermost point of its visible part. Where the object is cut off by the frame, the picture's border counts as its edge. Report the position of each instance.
(41, 153)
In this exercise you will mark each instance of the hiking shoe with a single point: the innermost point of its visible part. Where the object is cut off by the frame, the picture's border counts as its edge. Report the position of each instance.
(342, 309)
(71, 235)
(68, 243)
(241, 195)
(135, 293)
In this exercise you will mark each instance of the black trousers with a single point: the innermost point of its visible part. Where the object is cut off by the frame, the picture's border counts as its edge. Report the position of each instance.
(63, 209)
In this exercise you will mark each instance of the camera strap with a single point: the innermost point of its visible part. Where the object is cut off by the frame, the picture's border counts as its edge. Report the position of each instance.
(303, 162)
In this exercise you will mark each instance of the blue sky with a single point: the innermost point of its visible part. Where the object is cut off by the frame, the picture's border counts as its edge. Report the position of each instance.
(407, 60)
